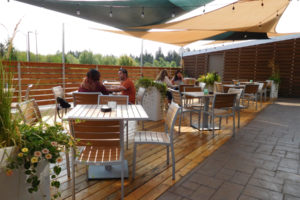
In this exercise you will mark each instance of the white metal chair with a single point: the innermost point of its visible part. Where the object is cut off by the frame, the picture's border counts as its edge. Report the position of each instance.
(159, 138)
(178, 99)
(139, 99)
(238, 106)
(31, 115)
(223, 105)
(250, 93)
(119, 99)
(100, 143)
(58, 92)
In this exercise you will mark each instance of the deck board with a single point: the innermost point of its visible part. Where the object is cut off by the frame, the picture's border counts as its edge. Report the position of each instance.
(153, 176)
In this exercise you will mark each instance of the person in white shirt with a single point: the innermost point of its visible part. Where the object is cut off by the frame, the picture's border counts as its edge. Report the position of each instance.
(164, 78)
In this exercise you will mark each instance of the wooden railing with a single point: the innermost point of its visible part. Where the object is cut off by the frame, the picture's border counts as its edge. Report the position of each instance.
(44, 76)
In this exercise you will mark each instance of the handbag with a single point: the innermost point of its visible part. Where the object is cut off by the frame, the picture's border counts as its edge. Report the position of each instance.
(62, 104)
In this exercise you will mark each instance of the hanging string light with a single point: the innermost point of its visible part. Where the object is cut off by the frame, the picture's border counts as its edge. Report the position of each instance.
(277, 15)
(78, 11)
(233, 8)
(262, 2)
(143, 13)
(204, 8)
(110, 12)
(173, 13)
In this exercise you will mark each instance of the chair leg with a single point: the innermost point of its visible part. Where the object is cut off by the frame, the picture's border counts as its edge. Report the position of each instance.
(233, 121)
(179, 122)
(68, 163)
(134, 160)
(127, 124)
(143, 128)
(73, 174)
(122, 178)
(213, 125)
(173, 161)
(168, 155)
(55, 113)
(190, 118)
(256, 100)
(220, 122)
(238, 118)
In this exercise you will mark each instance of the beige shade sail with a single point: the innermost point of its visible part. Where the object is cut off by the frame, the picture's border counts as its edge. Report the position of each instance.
(251, 16)
(179, 38)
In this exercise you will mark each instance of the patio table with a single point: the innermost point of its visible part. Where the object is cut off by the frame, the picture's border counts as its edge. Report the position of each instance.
(121, 112)
(205, 125)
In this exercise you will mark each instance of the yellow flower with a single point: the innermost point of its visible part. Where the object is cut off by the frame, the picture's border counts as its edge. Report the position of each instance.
(70, 143)
(25, 150)
(9, 172)
(20, 155)
(34, 159)
(48, 156)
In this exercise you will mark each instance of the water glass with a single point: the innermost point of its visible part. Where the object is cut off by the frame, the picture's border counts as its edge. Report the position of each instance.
(112, 104)
(205, 91)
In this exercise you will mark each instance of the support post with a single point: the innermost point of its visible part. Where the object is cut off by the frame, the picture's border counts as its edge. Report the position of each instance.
(19, 81)
(63, 59)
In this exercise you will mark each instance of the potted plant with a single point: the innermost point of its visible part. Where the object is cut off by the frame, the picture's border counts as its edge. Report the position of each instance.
(209, 79)
(153, 98)
(39, 146)
(275, 79)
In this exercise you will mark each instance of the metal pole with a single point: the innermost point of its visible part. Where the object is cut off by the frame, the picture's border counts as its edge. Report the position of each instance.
(63, 58)
(20, 82)
(142, 58)
(28, 50)
(36, 47)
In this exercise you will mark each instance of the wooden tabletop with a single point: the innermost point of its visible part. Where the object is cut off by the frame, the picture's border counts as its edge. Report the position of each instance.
(197, 94)
(93, 112)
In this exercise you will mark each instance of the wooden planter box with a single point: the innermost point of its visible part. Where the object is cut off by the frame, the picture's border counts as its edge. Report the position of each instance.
(14, 187)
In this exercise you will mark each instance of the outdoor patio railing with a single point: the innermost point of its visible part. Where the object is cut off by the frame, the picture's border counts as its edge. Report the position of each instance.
(44, 76)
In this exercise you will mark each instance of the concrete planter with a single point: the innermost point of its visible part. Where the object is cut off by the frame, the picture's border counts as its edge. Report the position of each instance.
(274, 89)
(153, 104)
(14, 187)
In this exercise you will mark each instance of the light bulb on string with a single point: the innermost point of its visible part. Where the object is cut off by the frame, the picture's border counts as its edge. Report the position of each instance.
(143, 13)
(77, 10)
(204, 8)
(110, 12)
(233, 8)
(173, 13)
(262, 2)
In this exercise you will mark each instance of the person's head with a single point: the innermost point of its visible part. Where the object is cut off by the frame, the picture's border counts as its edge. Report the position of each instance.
(93, 75)
(123, 74)
(178, 75)
(162, 74)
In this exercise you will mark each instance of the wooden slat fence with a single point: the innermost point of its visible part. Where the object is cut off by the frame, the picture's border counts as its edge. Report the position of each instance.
(44, 76)
(251, 63)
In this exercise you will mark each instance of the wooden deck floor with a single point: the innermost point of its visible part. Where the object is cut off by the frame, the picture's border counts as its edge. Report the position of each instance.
(153, 176)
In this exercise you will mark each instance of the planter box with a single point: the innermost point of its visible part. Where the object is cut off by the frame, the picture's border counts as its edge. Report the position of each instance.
(14, 187)
(4, 154)
(153, 104)
(274, 89)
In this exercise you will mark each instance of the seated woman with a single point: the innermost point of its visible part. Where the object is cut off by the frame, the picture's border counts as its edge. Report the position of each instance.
(178, 78)
(92, 83)
(164, 78)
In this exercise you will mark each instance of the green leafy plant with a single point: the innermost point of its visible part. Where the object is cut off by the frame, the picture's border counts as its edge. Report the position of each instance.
(8, 124)
(38, 143)
(146, 83)
(209, 78)
(275, 75)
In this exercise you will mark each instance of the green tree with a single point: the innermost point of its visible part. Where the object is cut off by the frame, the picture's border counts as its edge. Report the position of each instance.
(70, 58)
(86, 57)
(98, 58)
(126, 61)
(159, 54)
(109, 60)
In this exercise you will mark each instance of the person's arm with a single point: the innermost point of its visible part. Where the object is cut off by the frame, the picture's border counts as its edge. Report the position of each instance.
(116, 88)
(103, 89)
(168, 82)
